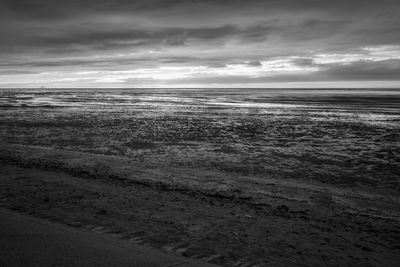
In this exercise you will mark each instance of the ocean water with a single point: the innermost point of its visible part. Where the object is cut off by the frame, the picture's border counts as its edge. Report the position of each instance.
(343, 137)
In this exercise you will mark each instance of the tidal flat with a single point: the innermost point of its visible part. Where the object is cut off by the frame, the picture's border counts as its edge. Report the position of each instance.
(232, 177)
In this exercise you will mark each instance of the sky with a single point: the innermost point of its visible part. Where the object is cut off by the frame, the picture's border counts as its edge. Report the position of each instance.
(208, 43)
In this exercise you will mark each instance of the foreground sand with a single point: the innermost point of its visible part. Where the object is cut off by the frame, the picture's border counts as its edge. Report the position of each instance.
(27, 241)
(232, 221)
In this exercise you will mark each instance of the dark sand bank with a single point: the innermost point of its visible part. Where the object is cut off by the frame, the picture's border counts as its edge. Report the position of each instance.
(222, 218)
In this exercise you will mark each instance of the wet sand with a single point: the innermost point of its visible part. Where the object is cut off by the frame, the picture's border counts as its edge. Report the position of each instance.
(226, 219)
(344, 138)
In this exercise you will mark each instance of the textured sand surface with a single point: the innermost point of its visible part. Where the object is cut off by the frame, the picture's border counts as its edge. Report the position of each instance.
(203, 217)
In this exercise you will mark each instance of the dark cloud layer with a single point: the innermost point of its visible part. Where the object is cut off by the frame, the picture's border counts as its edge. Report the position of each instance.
(199, 42)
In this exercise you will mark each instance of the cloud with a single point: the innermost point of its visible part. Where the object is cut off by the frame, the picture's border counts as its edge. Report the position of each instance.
(226, 41)
(364, 70)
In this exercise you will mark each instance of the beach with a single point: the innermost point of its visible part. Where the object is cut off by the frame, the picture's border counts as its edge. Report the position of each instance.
(258, 179)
